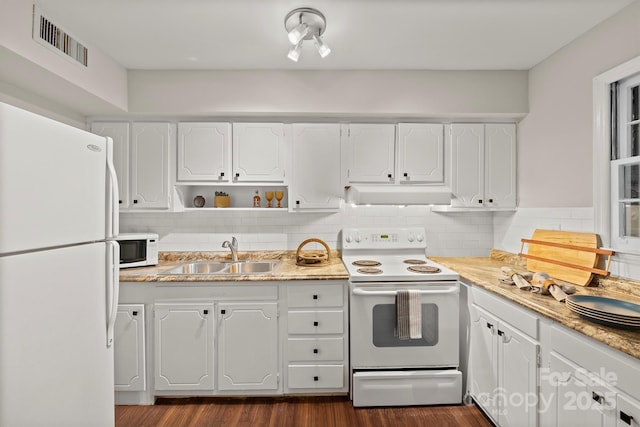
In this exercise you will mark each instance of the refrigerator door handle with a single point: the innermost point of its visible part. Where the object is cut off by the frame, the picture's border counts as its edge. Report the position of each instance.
(113, 287)
(113, 225)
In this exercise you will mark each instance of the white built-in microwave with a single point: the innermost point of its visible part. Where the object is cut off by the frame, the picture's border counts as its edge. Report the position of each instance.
(138, 249)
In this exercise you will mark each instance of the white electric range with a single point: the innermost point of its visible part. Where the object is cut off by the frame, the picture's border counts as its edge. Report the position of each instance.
(389, 369)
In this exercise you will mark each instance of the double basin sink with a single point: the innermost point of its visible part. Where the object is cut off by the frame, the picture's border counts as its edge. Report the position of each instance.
(223, 268)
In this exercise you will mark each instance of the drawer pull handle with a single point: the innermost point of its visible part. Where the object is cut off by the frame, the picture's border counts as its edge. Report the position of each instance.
(315, 351)
(206, 311)
(626, 418)
(489, 325)
(315, 296)
(500, 333)
(223, 311)
(316, 378)
(316, 323)
(597, 397)
(135, 313)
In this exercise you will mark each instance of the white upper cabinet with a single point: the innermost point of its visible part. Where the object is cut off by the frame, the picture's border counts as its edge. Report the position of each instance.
(119, 133)
(500, 165)
(150, 165)
(317, 172)
(371, 153)
(420, 153)
(204, 151)
(483, 165)
(141, 158)
(259, 152)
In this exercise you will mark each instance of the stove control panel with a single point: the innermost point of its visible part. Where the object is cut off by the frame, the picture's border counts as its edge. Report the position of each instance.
(380, 238)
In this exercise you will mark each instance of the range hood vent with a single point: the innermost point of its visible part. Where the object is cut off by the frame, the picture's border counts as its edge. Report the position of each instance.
(55, 38)
(398, 195)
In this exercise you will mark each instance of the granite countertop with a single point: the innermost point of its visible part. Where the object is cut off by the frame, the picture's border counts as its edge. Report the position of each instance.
(485, 271)
(285, 269)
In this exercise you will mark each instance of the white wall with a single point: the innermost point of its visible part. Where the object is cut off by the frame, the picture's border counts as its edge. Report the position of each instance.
(391, 94)
(99, 88)
(555, 140)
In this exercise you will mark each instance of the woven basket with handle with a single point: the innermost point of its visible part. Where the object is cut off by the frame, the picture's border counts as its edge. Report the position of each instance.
(315, 258)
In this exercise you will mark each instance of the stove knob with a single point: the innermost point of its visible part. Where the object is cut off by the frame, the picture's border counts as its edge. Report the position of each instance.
(411, 237)
(358, 238)
(348, 238)
(420, 238)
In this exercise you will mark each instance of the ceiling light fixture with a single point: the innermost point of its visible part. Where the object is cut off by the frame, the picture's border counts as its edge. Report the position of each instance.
(305, 24)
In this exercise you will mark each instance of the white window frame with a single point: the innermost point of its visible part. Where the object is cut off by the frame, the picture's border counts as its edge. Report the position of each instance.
(602, 154)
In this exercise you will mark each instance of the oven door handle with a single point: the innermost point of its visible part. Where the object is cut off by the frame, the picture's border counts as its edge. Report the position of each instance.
(393, 293)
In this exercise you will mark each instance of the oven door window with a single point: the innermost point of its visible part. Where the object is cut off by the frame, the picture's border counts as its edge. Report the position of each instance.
(132, 251)
(384, 327)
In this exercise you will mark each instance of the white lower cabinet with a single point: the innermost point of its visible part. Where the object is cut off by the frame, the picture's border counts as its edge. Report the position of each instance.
(184, 346)
(503, 362)
(628, 411)
(316, 351)
(248, 346)
(578, 397)
(128, 348)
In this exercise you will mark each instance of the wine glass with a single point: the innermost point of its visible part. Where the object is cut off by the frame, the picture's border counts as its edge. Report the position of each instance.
(269, 196)
(279, 196)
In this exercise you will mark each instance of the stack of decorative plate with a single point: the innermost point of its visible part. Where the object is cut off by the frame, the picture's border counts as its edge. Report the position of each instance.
(606, 311)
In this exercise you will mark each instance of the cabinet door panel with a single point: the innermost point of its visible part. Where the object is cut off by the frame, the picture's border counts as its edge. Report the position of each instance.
(317, 170)
(371, 151)
(203, 152)
(573, 396)
(467, 164)
(421, 152)
(248, 350)
(150, 165)
(129, 355)
(184, 346)
(500, 165)
(517, 378)
(258, 152)
(119, 133)
(483, 375)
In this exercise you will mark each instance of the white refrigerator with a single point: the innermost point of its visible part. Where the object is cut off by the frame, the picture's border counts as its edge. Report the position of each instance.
(58, 273)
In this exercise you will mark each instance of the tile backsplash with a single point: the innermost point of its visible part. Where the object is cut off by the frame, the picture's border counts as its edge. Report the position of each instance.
(448, 234)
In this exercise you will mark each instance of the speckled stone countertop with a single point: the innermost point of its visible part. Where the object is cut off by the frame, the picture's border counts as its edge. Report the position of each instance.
(285, 269)
(485, 271)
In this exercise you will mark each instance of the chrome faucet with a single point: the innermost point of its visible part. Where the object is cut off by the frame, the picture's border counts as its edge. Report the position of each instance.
(233, 246)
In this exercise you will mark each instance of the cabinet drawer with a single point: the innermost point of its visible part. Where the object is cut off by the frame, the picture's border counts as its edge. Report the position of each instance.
(316, 322)
(316, 376)
(315, 296)
(312, 349)
(523, 319)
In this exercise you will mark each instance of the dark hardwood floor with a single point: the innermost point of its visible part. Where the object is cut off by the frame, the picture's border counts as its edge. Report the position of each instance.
(292, 412)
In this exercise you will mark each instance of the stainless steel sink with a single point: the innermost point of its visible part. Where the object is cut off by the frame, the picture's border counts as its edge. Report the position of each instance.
(224, 268)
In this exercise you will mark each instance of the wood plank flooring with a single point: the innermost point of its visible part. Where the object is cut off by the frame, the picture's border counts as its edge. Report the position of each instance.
(292, 412)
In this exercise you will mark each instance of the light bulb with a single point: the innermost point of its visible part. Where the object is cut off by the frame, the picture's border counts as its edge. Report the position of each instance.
(294, 52)
(298, 33)
(322, 47)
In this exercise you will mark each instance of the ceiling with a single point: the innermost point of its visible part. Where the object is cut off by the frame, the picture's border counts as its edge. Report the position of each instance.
(363, 34)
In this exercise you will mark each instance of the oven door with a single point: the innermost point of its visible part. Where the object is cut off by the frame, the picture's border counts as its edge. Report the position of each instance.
(374, 342)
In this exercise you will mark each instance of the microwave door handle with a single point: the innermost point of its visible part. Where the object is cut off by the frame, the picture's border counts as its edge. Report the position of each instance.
(113, 227)
(363, 292)
(113, 288)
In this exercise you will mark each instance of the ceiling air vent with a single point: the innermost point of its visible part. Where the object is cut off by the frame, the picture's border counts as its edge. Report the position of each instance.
(52, 36)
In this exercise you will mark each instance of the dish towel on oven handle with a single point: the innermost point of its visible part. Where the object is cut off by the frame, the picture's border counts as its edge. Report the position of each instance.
(408, 314)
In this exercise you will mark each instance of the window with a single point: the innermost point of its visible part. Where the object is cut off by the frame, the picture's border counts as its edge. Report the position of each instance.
(625, 165)
(618, 157)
